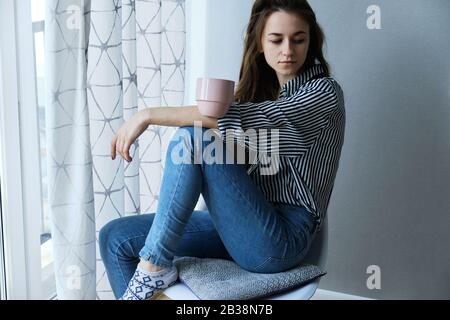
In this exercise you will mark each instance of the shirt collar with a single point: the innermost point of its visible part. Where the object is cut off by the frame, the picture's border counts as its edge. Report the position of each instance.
(290, 87)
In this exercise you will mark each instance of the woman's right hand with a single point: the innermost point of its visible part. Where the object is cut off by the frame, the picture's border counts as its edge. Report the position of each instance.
(128, 133)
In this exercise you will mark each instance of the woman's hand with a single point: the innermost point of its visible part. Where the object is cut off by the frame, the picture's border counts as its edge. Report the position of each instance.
(127, 134)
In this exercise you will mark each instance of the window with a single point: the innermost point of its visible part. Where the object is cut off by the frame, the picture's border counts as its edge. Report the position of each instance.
(38, 20)
(25, 223)
(38, 17)
(2, 248)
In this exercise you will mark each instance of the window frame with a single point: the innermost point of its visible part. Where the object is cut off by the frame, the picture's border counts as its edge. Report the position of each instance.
(21, 181)
(2, 247)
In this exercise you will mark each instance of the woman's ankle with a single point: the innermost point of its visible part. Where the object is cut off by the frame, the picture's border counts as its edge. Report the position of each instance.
(148, 266)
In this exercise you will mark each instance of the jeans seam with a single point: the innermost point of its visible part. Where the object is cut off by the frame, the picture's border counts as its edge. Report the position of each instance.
(262, 263)
(236, 186)
(169, 204)
(195, 231)
(288, 258)
(272, 258)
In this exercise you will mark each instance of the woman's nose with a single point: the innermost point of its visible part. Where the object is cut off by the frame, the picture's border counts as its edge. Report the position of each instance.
(287, 49)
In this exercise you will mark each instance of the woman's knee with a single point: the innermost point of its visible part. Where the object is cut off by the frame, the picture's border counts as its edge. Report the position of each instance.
(191, 130)
(185, 144)
(185, 132)
(190, 133)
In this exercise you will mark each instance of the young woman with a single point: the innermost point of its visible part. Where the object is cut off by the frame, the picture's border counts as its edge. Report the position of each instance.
(264, 222)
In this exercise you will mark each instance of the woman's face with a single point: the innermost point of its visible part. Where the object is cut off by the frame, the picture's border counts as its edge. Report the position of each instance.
(285, 43)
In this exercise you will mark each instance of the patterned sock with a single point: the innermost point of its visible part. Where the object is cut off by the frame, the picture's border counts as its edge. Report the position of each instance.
(144, 285)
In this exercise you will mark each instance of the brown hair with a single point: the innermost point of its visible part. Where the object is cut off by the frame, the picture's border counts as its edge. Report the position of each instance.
(257, 80)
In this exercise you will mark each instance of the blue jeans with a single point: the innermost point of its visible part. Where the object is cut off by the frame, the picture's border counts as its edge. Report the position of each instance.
(240, 224)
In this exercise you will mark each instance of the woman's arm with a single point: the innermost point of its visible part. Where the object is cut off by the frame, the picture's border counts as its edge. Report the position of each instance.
(178, 117)
(162, 116)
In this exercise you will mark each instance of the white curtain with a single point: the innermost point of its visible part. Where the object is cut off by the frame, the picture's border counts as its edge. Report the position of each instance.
(106, 59)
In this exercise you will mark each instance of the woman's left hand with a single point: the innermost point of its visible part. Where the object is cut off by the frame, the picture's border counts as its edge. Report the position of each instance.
(128, 133)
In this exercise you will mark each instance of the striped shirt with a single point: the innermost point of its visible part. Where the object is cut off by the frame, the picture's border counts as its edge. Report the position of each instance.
(309, 116)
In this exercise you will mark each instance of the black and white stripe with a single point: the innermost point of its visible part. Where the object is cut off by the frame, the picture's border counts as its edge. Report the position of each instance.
(310, 118)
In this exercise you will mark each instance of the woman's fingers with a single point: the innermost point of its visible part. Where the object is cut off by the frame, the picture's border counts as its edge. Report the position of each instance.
(126, 150)
(127, 135)
(119, 145)
(113, 147)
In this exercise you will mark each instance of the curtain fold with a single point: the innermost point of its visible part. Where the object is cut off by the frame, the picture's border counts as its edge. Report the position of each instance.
(106, 59)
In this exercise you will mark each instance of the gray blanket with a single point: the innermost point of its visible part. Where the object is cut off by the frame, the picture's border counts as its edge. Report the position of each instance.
(216, 279)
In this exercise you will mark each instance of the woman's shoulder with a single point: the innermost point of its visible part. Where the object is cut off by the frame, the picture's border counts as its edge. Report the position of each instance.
(326, 84)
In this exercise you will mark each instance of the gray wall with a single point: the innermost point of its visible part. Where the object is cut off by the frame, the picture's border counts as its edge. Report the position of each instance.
(390, 206)
(391, 202)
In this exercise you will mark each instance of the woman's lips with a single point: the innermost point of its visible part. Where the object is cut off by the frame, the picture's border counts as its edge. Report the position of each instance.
(287, 64)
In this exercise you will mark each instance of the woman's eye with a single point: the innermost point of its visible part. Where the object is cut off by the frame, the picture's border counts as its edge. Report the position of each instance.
(295, 41)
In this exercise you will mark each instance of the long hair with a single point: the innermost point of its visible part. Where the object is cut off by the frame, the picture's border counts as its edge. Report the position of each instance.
(257, 80)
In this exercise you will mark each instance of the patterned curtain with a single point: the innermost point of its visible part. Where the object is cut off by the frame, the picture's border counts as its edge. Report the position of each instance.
(106, 60)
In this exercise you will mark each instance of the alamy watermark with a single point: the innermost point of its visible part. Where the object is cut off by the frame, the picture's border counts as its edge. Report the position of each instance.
(261, 147)
(374, 20)
(73, 280)
(374, 280)
(75, 19)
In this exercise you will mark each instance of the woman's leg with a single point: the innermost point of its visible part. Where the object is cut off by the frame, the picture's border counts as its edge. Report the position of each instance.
(121, 240)
(259, 236)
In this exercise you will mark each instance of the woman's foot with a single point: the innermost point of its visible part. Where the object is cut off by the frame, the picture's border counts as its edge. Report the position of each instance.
(144, 285)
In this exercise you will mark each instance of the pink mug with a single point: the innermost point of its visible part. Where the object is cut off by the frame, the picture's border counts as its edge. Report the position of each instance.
(214, 96)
